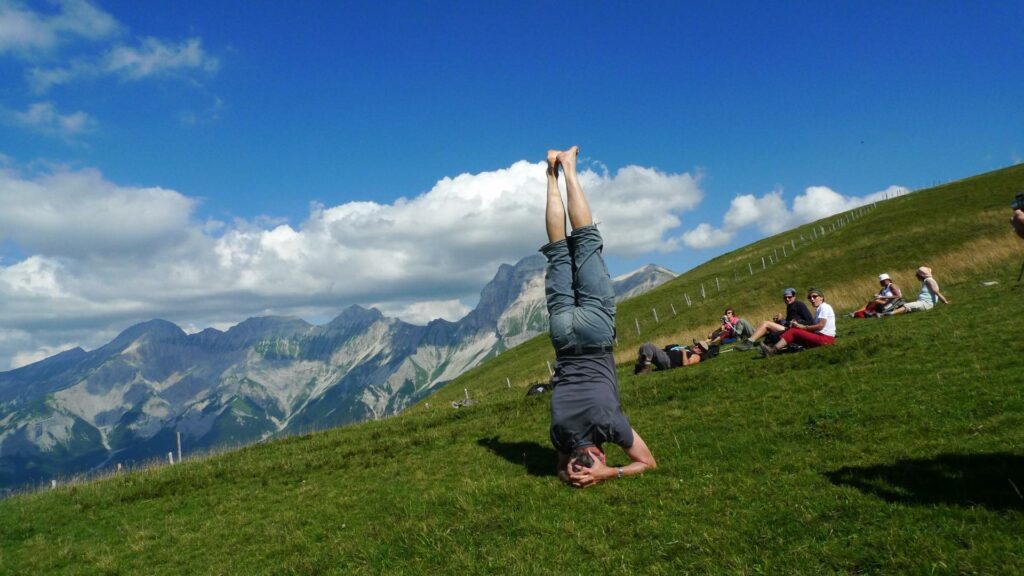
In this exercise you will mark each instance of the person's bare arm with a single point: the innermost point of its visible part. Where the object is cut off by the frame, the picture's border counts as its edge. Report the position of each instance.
(639, 454)
(563, 468)
(1018, 222)
(935, 288)
(816, 327)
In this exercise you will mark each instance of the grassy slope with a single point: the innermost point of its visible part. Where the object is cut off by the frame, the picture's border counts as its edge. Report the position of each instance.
(899, 450)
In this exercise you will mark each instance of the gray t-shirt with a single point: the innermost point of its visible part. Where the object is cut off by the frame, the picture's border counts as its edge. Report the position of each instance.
(585, 408)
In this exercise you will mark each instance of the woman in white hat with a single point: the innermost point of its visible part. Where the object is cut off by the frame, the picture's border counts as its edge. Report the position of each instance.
(928, 296)
(887, 295)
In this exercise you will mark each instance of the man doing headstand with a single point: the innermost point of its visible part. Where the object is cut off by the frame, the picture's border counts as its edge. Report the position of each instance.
(585, 410)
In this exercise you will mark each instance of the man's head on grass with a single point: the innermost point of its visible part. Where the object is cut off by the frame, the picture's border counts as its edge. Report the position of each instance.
(585, 456)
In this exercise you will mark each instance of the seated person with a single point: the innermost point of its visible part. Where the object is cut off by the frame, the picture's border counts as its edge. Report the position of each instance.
(927, 297)
(651, 358)
(884, 298)
(733, 328)
(796, 311)
(821, 333)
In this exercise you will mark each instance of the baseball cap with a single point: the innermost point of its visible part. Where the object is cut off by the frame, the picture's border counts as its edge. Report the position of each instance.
(883, 277)
(789, 292)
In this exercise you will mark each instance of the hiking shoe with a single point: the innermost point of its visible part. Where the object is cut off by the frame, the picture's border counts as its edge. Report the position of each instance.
(744, 345)
(767, 351)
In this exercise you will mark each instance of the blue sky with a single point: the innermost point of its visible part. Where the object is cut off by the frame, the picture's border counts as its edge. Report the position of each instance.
(209, 161)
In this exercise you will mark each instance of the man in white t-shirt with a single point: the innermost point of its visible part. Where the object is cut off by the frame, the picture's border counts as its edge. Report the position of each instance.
(821, 333)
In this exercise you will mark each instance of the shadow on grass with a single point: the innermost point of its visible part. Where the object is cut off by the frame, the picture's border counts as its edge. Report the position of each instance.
(994, 481)
(538, 460)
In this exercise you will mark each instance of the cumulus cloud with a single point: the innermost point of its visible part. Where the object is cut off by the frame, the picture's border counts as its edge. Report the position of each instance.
(423, 312)
(76, 213)
(44, 118)
(104, 255)
(705, 236)
(770, 215)
(25, 358)
(26, 32)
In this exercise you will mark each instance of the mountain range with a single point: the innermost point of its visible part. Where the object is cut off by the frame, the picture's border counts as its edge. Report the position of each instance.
(128, 401)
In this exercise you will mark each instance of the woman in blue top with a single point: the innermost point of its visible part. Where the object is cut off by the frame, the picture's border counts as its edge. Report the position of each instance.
(927, 297)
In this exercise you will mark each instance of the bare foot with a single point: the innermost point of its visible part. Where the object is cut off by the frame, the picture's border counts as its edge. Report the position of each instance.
(567, 158)
(553, 161)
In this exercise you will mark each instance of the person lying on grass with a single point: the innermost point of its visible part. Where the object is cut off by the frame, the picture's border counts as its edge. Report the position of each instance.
(821, 333)
(887, 295)
(796, 312)
(927, 297)
(651, 358)
(585, 409)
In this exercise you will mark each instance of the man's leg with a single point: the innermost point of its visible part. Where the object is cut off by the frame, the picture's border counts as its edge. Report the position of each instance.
(594, 317)
(558, 277)
(579, 209)
(554, 214)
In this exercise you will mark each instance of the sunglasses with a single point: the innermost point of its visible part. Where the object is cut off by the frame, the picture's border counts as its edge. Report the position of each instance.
(813, 296)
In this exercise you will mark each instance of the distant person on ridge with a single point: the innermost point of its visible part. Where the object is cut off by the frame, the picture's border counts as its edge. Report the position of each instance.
(585, 410)
(821, 333)
(796, 312)
(927, 297)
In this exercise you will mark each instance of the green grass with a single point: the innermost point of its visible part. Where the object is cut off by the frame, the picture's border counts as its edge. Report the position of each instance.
(900, 450)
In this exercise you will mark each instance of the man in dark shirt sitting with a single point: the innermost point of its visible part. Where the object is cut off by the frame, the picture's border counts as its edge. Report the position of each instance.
(796, 311)
(585, 410)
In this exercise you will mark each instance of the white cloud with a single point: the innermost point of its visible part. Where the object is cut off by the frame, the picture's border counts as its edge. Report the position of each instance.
(422, 313)
(770, 215)
(74, 213)
(24, 358)
(43, 117)
(25, 31)
(105, 255)
(152, 58)
(705, 236)
(156, 57)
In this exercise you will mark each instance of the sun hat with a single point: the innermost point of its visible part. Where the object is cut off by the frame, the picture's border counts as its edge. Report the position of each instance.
(925, 271)
(817, 291)
(883, 277)
(789, 292)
